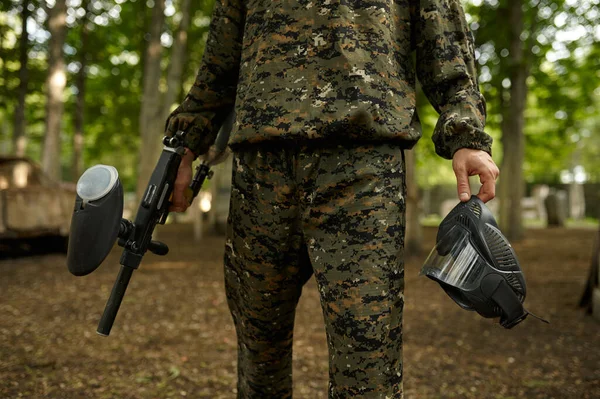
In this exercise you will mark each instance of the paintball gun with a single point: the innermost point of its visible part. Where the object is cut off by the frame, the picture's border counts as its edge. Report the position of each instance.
(97, 219)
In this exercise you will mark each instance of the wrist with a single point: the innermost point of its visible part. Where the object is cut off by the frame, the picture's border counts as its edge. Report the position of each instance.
(469, 150)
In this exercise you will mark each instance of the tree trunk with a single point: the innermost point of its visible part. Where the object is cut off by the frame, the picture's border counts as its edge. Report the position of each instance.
(177, 59)
(591, 295)
(77, 166)
(5, 128)
(55, 83)
(513, 138)
(503, 185)
(19, 139)
(414, 233)
(5, 133)
(151, 127)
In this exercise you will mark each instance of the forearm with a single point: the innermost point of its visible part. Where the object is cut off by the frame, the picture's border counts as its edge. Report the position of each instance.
(447, 72)
(212, 95)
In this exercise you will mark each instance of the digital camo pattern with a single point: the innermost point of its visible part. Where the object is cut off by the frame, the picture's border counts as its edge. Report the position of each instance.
(212, 95)
(446, 70)
(336, 69)
(336, 211)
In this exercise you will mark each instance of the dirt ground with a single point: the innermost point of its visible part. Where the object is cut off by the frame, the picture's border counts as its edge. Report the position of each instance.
(174, 337)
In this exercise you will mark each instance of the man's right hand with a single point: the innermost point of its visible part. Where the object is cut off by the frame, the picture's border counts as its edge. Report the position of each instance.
(468, 162)
(184, 177)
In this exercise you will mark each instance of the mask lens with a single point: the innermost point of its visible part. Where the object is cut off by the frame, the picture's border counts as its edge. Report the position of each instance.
(455, 261)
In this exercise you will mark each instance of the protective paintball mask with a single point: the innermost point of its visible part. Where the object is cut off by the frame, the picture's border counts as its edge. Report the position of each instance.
(476, 265)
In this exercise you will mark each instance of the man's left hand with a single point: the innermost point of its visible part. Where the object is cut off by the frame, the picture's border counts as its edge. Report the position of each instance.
(468, 162)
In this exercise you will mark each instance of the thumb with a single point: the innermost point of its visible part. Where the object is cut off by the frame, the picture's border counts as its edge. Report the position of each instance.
(464, 190)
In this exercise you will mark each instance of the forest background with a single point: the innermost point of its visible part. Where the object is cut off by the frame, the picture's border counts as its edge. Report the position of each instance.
(91, 81)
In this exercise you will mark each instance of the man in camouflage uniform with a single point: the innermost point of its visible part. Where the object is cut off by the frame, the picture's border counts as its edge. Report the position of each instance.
(324, 95)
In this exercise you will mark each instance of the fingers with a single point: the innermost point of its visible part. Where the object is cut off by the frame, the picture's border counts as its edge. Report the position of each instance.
(488, 174)
(175, 123)
(179, 202)
(469, 162)
(462, 180)
(172, 124)
(488, 189)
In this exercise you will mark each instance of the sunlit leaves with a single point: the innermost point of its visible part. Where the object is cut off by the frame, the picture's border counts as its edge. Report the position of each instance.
(559, 42)
(114, 56)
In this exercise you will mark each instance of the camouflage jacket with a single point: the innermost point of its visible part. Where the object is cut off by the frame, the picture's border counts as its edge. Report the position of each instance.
(335, 69)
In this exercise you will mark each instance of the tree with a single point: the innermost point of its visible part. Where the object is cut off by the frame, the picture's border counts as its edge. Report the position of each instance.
(518, 60)
(176, 65)
(55, 83)
(561, 109)
(151, 126)
(512, 185)
(19, 138)
(590, 300)
(151, 136)
(77, 164)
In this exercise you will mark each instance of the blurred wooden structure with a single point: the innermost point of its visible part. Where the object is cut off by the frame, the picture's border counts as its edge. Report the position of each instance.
(32, 204)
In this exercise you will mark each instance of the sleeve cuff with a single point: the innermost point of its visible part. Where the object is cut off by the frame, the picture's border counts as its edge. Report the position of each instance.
(198, 127)
(199, 141)
(461, 126)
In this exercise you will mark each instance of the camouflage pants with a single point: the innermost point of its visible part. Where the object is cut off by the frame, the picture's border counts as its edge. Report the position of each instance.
(337, 212)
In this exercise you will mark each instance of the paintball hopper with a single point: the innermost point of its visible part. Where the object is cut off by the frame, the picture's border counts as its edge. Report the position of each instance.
(476, 265)
(99, 203)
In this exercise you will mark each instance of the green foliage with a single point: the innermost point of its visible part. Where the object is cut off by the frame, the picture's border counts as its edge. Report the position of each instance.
(563, 54)
(114, 54)
(561, 49)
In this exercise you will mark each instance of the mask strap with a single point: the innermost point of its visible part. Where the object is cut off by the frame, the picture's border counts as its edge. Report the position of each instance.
(512, 309)
(537, 317)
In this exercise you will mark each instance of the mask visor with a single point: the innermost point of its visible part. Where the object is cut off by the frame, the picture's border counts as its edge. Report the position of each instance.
(454, 261)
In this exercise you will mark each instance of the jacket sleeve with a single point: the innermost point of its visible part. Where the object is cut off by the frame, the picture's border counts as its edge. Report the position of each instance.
(212, 95)
(445, 64)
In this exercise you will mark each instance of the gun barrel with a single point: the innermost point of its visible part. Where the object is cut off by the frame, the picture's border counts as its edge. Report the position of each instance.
(114, 302)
